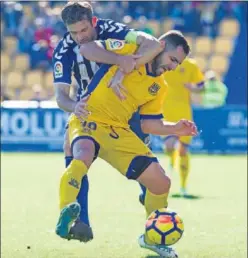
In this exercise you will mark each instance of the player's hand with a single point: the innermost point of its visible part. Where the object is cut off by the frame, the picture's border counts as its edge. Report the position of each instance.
(127, 63)
(185, 128)
(116, 85)
(81, 108)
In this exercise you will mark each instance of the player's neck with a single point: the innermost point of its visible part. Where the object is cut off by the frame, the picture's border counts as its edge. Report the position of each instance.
(151, 69)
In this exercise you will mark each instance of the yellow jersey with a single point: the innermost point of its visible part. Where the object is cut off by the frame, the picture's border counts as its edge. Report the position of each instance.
(177, 102)
(145, 91)
(187, 72)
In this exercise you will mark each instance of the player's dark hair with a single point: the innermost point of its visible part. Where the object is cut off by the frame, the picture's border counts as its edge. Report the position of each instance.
(174, 39)
(74, 12)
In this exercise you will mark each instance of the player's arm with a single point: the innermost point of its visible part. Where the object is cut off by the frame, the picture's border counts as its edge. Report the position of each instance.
(62, 94)
(151, 118)
(148, 46)
(62, 67)
(95, 51)
(160, 127)
(196, 84)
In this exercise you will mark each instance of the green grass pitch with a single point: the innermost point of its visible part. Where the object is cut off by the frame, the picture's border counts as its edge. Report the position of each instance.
(215, 223)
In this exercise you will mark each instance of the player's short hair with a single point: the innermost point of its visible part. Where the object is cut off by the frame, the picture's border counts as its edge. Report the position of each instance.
(74, 12)
(174, 39)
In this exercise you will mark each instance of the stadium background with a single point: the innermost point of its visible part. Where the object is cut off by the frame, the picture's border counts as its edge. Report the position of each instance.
(217, 33)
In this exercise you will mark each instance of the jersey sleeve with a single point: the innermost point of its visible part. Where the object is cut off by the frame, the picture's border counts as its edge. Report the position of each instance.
(197, 77)
(154, 108)
(62, 63)
(119, 46)
(111, 29)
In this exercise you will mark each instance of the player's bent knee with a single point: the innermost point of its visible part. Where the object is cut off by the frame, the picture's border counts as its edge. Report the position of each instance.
(183, 149)
(84, 150)
(170, 143)
(155, 179)
(67, 148)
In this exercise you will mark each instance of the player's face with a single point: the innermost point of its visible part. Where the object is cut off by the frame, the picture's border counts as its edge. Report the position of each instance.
(82, 31)
(169, 60)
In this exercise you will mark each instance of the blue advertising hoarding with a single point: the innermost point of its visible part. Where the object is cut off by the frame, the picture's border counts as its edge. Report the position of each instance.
(41, 128)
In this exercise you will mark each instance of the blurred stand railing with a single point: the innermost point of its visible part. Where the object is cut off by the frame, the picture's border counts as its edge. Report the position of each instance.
(39, 126)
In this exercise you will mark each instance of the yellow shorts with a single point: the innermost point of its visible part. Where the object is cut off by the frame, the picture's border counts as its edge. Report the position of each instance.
(174, 113)
(120, 147)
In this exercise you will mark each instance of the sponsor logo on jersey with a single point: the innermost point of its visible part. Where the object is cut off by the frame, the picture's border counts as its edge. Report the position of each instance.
(58, 70)
(153, 89)
(116, 44)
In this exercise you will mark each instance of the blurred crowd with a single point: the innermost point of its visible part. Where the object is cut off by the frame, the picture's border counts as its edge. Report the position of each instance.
(38, 27)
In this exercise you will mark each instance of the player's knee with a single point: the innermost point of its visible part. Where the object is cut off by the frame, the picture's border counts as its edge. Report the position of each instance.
(161, 186)
(182, 150)
(155, 179)
(66, 145)
(170, 144)
(84, 150)
(67, 148)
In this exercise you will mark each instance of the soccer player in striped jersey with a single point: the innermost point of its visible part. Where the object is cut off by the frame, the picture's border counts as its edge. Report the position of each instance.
(83, 27)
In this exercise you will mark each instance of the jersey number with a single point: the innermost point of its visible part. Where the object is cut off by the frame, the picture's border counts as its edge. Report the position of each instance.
(113, 134)
(89, 126)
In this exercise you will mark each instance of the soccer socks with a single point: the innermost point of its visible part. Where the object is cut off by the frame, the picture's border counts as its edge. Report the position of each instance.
(154, 202)
(82, 197)
(184, 170)
(68, 160)
(70, 182)
(143, 194)
(173, 156)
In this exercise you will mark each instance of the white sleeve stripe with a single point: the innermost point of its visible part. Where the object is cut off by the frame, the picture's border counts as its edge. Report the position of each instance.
(55, 83)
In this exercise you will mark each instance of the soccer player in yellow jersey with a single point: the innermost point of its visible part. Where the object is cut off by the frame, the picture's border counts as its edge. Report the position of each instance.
(185, 79)
(105, 131)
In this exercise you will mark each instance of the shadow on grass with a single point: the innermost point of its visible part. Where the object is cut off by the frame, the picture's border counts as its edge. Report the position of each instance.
(188, 196)
(152, 256)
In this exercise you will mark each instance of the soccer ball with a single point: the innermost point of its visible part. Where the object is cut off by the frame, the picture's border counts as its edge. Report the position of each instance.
(164, 227)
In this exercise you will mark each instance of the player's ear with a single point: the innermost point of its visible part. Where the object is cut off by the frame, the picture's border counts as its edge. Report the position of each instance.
(94, 21)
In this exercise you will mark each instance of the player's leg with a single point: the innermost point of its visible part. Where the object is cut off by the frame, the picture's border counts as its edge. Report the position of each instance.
(184, 165)
(170, 150)
(82, 197)
(157, 184)
(135, 126)
(128, 154)
(83, 151)
(67, 148)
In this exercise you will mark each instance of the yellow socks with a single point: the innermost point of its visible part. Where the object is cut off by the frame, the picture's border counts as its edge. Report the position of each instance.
(70, 182)
(173, 157)
(184, 170)
(154, 202)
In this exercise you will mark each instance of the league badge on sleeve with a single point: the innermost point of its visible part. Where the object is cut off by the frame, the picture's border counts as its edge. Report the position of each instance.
(58, 70)
(116, 44)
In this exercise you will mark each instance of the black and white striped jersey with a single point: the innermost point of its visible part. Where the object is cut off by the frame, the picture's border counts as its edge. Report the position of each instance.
(68, 62)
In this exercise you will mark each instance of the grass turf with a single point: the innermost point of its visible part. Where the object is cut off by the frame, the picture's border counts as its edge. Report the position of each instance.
(215, 221)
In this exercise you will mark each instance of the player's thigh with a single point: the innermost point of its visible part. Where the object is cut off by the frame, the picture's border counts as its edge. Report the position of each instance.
(83, 135)
(155, 179)
(66, 144)
(170, 142)
(126, 152)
